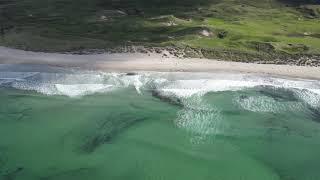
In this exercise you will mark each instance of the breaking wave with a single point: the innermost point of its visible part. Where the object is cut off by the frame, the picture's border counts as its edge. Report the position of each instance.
(187, 89)
(78, 83)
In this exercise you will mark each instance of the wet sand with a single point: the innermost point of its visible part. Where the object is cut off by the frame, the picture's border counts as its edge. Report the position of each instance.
(130, 62)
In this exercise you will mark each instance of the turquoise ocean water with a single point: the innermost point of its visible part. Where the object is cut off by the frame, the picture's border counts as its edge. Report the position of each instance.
(59, 124)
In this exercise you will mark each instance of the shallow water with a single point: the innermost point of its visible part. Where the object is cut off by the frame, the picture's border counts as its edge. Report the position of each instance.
(58, 124)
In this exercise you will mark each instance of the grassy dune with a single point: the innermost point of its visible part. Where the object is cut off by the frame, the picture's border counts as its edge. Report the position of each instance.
(249, 26)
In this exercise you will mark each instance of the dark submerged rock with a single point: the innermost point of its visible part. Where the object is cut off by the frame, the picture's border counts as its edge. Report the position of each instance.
(131, 74)
(107, 130)
(171, 100)
(11, 175)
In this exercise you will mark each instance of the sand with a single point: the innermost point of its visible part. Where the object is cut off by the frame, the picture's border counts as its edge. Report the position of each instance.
(132, 62)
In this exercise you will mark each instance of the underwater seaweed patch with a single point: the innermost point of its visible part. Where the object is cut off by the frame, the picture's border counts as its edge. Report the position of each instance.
(107, 130)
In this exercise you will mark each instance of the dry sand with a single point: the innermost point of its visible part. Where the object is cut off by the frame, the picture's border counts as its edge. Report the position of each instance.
(131, 62)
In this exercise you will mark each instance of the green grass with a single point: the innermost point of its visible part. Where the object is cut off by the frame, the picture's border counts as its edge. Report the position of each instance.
(251, 25)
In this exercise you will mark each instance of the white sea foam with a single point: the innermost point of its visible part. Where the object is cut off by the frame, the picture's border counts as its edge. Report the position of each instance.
(187, 88)
(307, 90)
(136, 81)
(181, 85)
(199, 118)
(266, 104)
(73, 84)
(74, 90)
(71, 90)
(181, 93)
(310, 96)
(316, 91)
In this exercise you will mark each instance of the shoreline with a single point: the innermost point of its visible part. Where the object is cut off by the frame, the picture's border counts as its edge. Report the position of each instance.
(134, 62)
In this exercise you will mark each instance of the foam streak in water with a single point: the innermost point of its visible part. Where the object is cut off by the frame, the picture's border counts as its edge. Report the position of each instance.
(199, 118)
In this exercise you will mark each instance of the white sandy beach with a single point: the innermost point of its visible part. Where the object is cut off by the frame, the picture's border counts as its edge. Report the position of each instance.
(127, 62)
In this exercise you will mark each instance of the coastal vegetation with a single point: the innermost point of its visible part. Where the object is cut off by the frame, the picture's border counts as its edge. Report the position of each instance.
(274, 31)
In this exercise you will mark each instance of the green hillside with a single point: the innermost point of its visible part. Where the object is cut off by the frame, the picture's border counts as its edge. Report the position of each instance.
(253, 28)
